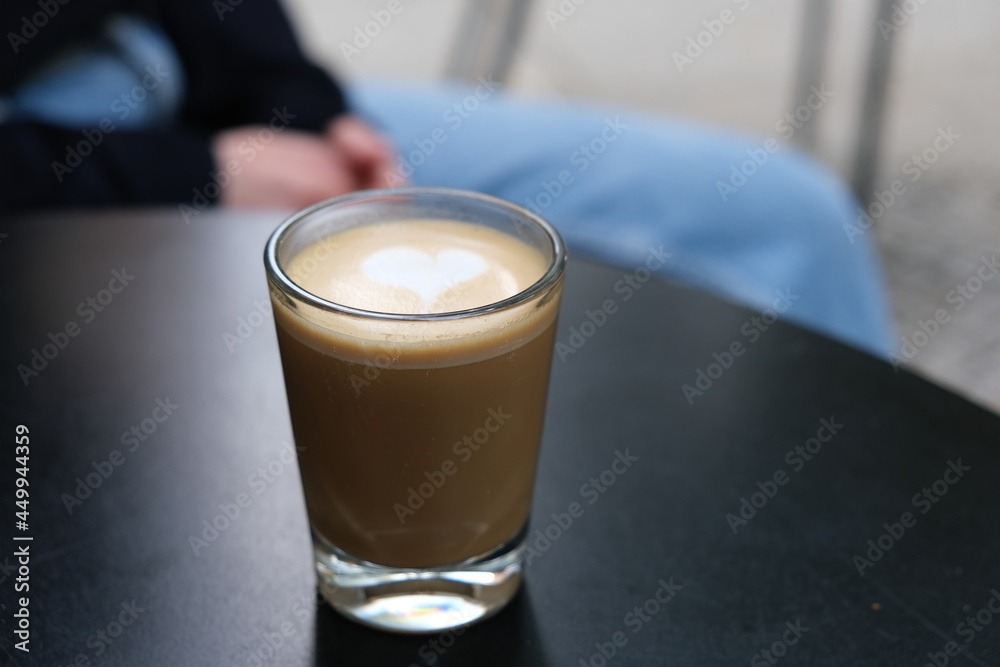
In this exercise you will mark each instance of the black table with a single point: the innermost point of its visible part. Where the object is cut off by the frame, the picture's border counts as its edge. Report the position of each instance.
(163, 403)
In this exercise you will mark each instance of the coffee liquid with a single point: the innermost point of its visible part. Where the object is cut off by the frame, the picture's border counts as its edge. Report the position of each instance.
(418, 440)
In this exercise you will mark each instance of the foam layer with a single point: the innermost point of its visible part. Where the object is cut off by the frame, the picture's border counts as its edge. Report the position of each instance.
(417, 267)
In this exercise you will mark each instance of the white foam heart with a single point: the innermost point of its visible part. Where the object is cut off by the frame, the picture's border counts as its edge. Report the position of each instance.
(427, 275)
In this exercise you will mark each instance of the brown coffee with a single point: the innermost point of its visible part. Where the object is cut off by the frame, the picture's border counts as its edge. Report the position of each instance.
(418, 439)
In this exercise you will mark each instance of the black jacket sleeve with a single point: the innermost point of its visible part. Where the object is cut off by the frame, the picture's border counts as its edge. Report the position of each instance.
(45, 166)
(242, 65)
(242, 62)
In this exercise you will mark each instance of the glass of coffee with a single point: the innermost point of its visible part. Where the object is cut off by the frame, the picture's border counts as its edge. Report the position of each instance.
(416, 329)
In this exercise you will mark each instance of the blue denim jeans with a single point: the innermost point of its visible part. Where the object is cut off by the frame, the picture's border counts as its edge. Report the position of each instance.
(741, 217)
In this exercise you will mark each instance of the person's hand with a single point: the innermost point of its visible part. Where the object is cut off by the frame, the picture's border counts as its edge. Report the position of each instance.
(369, 155)
(293, 169)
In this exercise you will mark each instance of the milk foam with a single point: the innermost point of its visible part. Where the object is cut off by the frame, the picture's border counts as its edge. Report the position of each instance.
(428, 275)
(417, 267)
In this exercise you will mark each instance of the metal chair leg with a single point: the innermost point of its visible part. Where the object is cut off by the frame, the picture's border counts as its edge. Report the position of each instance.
(812, 65)
(488, 36)
(868, 148)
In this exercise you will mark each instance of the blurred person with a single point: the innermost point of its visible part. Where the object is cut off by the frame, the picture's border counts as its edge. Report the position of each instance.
(191, 102)
(113, 102)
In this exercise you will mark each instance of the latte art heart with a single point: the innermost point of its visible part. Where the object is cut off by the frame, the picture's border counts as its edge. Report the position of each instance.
(430, 276)
(417, 267)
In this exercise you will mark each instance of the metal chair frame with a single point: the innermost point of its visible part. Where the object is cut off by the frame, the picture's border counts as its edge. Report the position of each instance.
(491, 30)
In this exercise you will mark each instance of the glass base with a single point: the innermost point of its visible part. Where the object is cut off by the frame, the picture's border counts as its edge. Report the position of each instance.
(419, 600)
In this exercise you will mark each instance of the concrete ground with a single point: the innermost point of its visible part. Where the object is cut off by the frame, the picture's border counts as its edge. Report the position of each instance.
(946, 74)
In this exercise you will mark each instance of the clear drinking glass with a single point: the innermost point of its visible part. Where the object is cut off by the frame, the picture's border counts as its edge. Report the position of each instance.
(418, 434)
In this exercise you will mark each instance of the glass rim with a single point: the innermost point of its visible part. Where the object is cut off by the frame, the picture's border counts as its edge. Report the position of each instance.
(280, 279)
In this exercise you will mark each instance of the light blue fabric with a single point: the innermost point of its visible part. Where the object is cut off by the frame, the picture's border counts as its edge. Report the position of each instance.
(655, 182)
(615, 183)
(132, 78)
